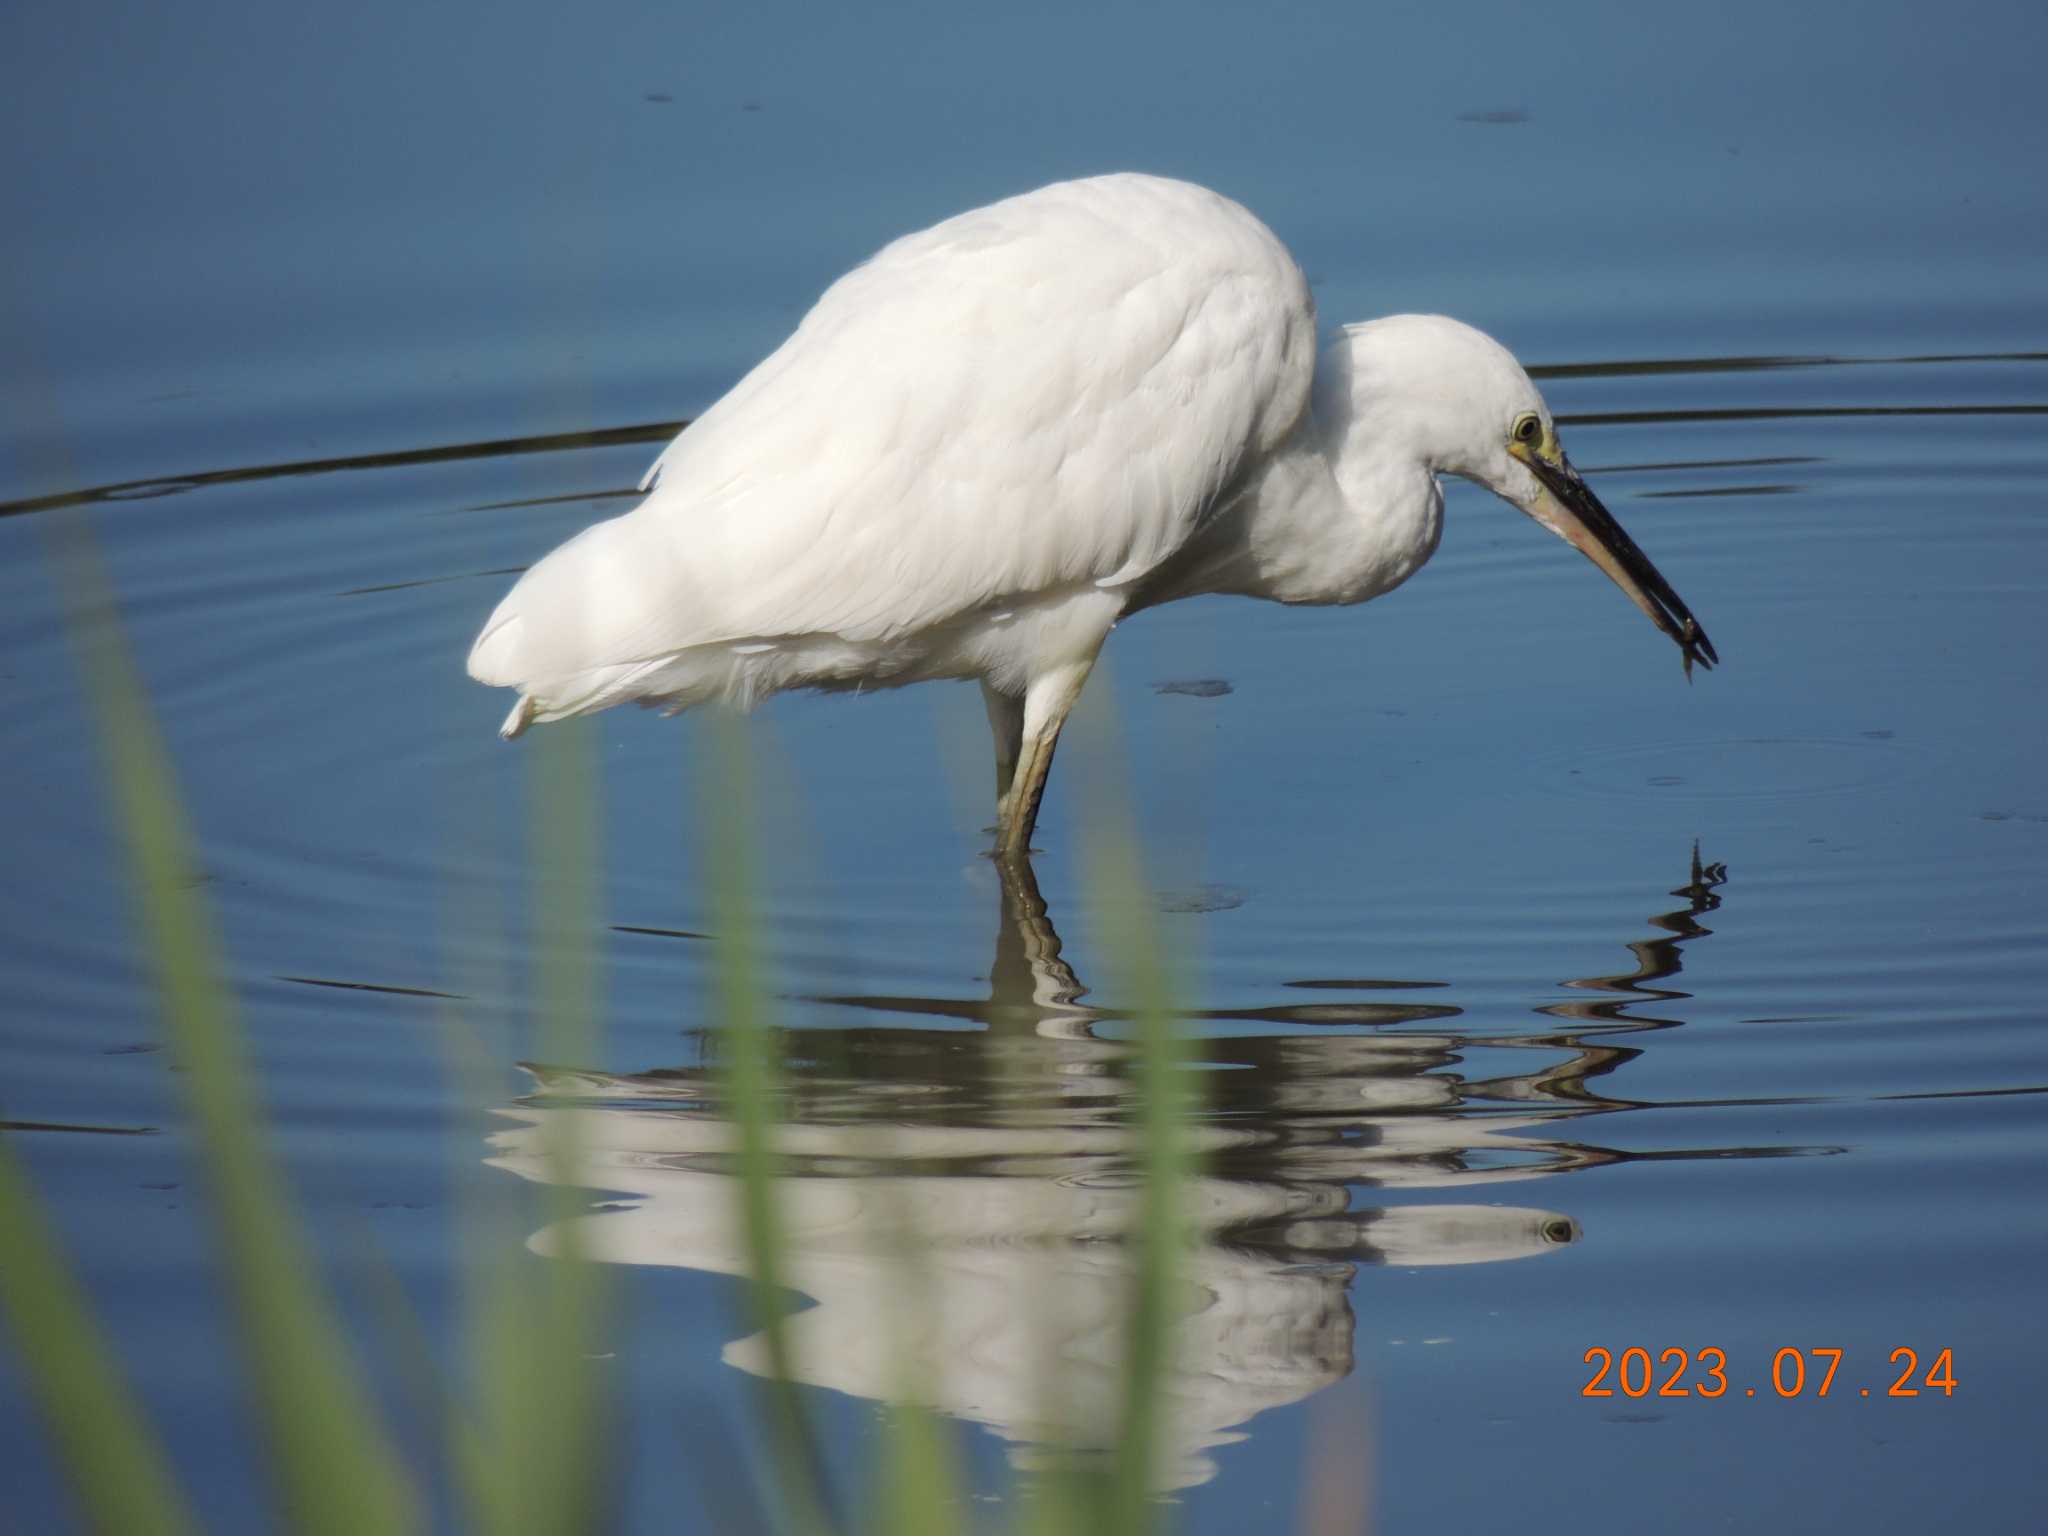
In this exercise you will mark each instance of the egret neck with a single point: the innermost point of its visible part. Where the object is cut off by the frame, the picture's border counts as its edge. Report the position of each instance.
(1347, 508)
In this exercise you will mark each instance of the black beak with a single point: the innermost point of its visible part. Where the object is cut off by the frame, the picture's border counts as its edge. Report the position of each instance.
(1576, 515)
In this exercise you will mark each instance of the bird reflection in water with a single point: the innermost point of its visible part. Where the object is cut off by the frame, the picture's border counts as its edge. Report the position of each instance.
(956, 1201)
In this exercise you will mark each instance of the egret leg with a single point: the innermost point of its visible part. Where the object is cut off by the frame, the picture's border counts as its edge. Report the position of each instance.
(1006, 724)
(1046, 702)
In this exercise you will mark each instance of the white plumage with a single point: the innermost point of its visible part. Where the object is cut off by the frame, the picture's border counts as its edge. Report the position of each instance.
(987, 444)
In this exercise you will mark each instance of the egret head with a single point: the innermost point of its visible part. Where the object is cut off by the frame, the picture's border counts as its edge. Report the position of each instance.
(1458, 399)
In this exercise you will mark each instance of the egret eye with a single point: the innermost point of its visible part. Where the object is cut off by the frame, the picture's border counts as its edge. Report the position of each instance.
(1529, 430)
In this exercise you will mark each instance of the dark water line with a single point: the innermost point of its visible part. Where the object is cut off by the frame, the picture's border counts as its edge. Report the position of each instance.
(548, 501)
(88, 1130)
(656, 432)
(1962, 1093)
(371, 986)
(1822, 1099)
(1705, 492)
(1786, 413)
(1362, 984)
(1764, 364)
(496, 448)
(428, 581)
(1770, 461)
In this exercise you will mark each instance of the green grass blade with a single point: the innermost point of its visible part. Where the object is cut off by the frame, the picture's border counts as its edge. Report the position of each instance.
(921, 1492)
(334, 1470)
(567, 1427)
(921, 1489)
(117, 1468)
(753, 1092)
(539, 1324)
(1162, 1090)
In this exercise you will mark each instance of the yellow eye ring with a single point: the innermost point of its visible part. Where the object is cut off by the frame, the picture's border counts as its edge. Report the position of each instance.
(1529, 430)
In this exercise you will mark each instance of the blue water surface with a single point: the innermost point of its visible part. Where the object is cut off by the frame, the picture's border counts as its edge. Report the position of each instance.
(1546, 1004)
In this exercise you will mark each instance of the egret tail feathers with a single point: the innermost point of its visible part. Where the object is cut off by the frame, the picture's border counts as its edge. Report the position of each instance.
(521, 717)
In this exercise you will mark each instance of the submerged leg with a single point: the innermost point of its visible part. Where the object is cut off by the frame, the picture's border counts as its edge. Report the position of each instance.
(1046, 702)
(1031, 989)
(1006, 724)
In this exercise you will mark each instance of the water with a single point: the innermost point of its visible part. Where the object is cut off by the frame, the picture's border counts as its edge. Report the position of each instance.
(1428, 868)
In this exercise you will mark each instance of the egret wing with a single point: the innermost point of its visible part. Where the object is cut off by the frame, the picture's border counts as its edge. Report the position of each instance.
(1048, 392)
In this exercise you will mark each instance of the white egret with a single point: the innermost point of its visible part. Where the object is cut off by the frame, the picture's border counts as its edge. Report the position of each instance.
(986, 445)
